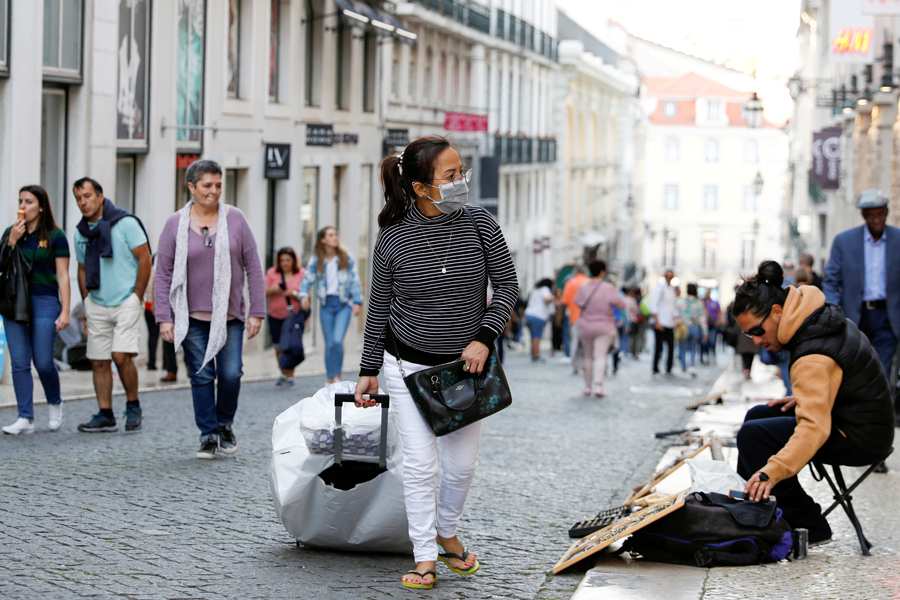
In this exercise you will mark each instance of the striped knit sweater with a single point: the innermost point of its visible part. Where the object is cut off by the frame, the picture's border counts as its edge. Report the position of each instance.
(432, 315)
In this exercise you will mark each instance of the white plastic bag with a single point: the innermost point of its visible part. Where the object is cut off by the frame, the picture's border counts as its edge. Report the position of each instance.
(369, 517)
(713, 476)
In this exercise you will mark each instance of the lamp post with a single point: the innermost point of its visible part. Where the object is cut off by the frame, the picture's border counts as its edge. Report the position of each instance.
(758, 184)
(753, 111)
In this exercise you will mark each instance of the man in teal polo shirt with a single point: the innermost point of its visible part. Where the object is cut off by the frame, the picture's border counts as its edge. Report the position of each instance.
(114, 263)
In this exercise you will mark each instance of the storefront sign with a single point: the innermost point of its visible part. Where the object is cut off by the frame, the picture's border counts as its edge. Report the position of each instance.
(397, 138)
(826, 158)
(183, 161)
(323, 134)
(319, 134)
(133, 56)
(454, 121)
(278, 162)
(881, 7)
(189, 76)
(850, 35)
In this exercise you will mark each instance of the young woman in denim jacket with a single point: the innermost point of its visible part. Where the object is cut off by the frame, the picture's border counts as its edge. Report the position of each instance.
(339, 292)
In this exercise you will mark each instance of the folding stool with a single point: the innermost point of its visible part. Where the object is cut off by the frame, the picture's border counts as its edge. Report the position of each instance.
(842, 493)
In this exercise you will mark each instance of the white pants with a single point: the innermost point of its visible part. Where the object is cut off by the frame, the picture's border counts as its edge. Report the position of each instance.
(430, 513)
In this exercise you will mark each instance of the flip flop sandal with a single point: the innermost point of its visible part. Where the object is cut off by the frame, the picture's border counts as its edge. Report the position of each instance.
(447, 555)
(420, 586)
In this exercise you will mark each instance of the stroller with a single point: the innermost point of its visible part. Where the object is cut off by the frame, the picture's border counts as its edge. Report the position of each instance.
(338, 484)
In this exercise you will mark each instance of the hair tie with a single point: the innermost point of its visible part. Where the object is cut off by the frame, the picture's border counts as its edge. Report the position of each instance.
(765, 281)
(400, 163)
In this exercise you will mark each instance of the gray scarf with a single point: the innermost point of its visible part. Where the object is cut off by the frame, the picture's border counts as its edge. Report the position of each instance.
(218, 328)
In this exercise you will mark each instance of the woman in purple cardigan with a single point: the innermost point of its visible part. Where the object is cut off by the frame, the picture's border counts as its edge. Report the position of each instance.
(205, 250)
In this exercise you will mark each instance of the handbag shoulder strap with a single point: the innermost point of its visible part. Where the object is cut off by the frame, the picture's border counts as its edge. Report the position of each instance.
(487, 264)
(591, 295)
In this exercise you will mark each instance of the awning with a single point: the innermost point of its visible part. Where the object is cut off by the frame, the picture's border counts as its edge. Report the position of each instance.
(384, 23)
(350, 14)
(592, 238)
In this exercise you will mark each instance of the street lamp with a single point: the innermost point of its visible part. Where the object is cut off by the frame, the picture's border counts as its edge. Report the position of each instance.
(753, 111)
(758, 183)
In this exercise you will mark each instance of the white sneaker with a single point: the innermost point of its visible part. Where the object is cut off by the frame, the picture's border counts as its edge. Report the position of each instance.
(23, 426)
(56, 416)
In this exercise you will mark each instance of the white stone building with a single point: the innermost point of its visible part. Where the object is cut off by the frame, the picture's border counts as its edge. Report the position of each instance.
(484, 74)
(701, 214)
(130, 92)
(597, 114)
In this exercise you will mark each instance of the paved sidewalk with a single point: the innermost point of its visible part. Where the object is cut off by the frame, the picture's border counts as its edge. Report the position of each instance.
(137, 516)
(258, 366)
(835, 570)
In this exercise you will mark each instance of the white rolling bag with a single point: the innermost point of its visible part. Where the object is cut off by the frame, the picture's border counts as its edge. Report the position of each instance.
(341, 492)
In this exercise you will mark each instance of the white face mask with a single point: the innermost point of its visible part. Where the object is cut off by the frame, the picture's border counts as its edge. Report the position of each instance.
(454, 195)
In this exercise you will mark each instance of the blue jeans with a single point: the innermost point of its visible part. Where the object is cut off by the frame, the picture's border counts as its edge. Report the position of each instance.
(36, 342)
(567, 340)
(212, 409)
(335, 318)
(689, 345)
(877, 327)
(535, 326)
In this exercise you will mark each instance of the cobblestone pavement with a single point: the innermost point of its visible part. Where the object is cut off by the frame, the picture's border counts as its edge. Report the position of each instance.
(137, 516)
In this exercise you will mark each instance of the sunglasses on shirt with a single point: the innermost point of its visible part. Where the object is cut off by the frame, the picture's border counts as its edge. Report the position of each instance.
(206, 239)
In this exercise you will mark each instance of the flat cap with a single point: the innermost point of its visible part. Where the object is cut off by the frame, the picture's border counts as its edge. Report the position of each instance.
(872, 198)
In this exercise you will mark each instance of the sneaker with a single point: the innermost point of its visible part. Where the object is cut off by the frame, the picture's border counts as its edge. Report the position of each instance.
(207, 449)
(99, 423)
(133, 416)
(692, 371)
(227, 441)
(289, 382)
(56, 416)
(21, 426)
(281, 381)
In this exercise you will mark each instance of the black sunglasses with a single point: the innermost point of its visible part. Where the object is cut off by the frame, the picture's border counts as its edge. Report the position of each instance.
(206, 241)
(758, 331)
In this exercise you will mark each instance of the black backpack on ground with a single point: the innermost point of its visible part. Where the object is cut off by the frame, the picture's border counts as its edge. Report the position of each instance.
(714, 530)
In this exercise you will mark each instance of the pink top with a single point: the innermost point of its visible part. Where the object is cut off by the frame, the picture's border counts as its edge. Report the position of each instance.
(201, 267)
(277, 302)
(596, 310)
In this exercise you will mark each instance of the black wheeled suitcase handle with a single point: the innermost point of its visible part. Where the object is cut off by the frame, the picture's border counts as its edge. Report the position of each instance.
(385, 402)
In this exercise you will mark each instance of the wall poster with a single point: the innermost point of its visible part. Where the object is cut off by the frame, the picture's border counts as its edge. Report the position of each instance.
(132, 99)
(191, 33)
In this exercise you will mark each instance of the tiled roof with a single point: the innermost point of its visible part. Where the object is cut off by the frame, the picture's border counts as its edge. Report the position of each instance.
(690, 86)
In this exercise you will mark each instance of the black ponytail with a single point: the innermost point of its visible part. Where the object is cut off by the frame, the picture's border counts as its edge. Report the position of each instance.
(760, 292)
(398, 173)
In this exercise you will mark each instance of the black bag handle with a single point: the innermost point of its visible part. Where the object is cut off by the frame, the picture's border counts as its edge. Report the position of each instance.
(385, 402)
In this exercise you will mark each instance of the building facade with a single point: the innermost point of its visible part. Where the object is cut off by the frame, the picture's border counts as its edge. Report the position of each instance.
(282, 93)
(484, 74)
(712, 205)
(597, 116)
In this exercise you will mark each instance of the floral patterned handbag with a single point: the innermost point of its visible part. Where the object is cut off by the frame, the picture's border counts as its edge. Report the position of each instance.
(449, 397)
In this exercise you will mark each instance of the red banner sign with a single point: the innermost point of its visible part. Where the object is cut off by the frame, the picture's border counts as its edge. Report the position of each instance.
(183, 161)
(454, 121)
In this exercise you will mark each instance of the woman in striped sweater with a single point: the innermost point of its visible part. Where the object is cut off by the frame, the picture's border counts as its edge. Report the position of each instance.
(427, 307)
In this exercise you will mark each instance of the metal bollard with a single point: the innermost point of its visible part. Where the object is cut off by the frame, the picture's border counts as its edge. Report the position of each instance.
(801, 543)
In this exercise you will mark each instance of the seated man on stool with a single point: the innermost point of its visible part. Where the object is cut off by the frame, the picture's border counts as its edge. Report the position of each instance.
(840, 412)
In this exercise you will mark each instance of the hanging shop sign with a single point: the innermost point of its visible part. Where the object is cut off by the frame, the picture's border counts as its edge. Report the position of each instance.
(183, 161)
(398, 138)
(323, 134)
(850, 34)
(278, 161)
(456, 121)
(881, 7)
(826, 149)
(134, 62)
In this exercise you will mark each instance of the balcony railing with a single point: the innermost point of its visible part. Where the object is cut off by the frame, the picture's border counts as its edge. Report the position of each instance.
(523, 150)
(506, 26)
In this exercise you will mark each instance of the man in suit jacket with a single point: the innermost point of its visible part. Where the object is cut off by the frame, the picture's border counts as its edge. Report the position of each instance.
(862, 276)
